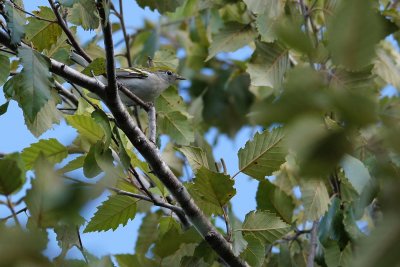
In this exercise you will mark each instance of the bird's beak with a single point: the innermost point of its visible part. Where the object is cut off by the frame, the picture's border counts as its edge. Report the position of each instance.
(180, 78)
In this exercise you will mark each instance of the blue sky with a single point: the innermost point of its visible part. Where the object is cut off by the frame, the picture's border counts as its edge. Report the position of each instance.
(15, 137)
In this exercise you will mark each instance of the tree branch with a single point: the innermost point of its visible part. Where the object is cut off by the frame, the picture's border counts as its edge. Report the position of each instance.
(120, 16)
(69, 34)
(151, 154)
(313, 244)
(64, 92)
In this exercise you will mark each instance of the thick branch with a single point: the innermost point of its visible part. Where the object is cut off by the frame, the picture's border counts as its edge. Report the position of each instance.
(69, 34)
(313, 244)
(151, 154)
(112, 90)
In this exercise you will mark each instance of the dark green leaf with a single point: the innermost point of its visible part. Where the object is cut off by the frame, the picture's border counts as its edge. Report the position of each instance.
(5, 69)
(254, 253)
(84, 13)
(97, 66)
(4, 107)
(15, 22)
(161, 6)
(12, 174)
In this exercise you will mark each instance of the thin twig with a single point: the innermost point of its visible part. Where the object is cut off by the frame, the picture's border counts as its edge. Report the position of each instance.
(31, 14)
(81, 248)
(227, 224)
(313, 244)
(120, 16)
(136, 114)
(152, 124)
(14, 214)
(69, 34)
(8, 51)
(62, 91)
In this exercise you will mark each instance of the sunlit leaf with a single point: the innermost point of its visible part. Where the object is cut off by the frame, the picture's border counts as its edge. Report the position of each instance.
(113, 212)
(177, 126)
(161, 6)
(43, 34)
(96, 67)
(211, 190)
(196, 156)
(5, 69)
(230, 38)
(86, 126)
(264, 226)
(84, 13)
(45, 119)
(264, 154)
(315, 198)
(166, 59)
(53, 150)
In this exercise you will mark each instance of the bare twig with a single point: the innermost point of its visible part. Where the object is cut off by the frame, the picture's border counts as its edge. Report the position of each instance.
(227, 224)
(120, 16)
(81, 248)
(11, 207)
(64, 92)
(69, 34)
(12, 215)
(152, 124)
(31, 14)
(313, 244)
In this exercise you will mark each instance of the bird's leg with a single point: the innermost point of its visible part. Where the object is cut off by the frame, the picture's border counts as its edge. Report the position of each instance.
(152, 123)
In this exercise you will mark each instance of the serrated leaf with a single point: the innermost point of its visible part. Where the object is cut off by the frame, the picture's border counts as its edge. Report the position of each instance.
(177, 126)
(53, 150)
(12, 174)
(355, 171)
(97, 66)
(264, 154)
(43, 34)
(265, 226)
(387, 64)
(196, 156)
(86, 126)
(35, 84)
(84, 13)
(166, 59)
(5, 69)
(211, 190)
(15, 22)
(116, 210)
(271, 198)
(315, 199)
(73, 164)
(268, 65)
(230, 38)
(170, 101)
(45, 118)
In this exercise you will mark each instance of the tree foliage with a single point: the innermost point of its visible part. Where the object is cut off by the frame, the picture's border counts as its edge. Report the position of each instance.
(325, 152)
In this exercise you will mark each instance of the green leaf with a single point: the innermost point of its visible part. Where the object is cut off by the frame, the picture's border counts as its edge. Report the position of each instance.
(60, 50)
(177, 125)
(355, 171)
(3, 108)
(254, 254)
(53, 150)
(161, 6)
(274, 7)
(12, 174)
(264, 154)
(265, 226)
(87, 127)
(268, 65)
(335, 257)
(97, 66)
(73, 164)
(101, 118)
(36, 82)
(84, 13)
(98, 159)
(43, 34)
(354, 47)
(128, 260)
(5, 69)
(15, 22)
(387, 64)
(196, 156)
(270, 197)
(114, 211)
(315, 198)
(166, 59)
(45, 118)
(67, 236)
(230, 38)
(147, 234)
(211, 190)
(170, 101)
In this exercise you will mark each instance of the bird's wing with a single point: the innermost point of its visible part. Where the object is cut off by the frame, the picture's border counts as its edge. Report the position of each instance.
(131, 73)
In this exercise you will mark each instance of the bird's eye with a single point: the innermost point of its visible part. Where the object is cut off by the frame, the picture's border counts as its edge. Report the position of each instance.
(169, 72)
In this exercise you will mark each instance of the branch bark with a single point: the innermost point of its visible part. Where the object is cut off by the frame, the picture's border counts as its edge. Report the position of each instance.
(150, 153)
(313, 244)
